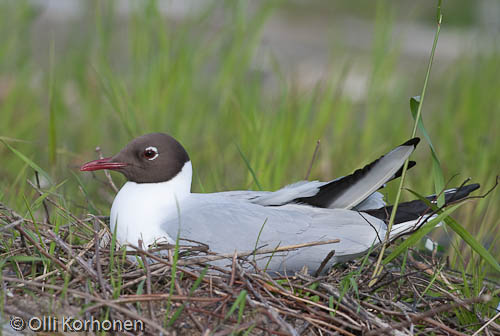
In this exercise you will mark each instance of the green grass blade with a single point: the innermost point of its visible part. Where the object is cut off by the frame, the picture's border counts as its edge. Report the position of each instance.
(92, 207)
(258, 237)
(112, 261)
(51, 191)
(196, 284)
(198, 281)
(140, 291)
(472, 242)
(271, 257)
(435, 275)
(52, 110)
(25, 258)
(35, 223)
(249, 167)
(27, 161)
(377, 270)
(237, 303)
(421, 232)
(249, 330)
(437, 171)
(173, 273)
(241, 308)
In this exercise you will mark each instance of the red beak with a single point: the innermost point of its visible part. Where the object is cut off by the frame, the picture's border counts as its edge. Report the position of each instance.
(102, 164)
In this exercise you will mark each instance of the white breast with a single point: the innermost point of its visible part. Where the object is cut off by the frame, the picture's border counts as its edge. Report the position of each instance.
(139, 209)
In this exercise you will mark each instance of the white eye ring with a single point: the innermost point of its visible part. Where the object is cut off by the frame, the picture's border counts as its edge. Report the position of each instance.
(151, 148)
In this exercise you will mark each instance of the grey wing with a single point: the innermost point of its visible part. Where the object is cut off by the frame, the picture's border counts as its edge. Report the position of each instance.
(227, 226)
(225, 223)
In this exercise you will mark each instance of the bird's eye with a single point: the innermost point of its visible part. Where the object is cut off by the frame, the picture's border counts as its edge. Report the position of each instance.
(150, 153)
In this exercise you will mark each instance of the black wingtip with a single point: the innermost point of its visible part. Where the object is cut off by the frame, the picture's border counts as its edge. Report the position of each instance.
(412, 142)
(412, 210)
(465, 190)
(398, 174)
(473, 186)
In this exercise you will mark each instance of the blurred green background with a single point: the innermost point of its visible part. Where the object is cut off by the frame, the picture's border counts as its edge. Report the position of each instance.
(269, 77)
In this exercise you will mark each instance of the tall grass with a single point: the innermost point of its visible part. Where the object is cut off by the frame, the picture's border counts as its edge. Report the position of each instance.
(104, 79)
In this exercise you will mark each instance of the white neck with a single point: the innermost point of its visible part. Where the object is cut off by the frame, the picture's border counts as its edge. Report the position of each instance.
(140, 209)
(180, 184)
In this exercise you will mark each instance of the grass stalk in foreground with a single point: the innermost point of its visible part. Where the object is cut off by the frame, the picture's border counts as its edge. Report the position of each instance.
(378, 268)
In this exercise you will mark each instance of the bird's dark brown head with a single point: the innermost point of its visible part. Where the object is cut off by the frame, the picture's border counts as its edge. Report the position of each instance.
(151, 158)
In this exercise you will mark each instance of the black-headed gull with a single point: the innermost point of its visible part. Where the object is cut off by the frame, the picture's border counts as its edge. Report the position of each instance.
(157, 202)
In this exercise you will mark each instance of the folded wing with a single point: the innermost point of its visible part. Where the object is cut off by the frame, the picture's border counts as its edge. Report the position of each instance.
(357, 190)
(351, 190)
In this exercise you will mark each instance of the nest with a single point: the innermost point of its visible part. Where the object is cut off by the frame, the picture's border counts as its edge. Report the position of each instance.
(75, 272)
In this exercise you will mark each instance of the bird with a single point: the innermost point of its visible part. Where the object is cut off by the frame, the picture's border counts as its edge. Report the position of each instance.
(157, 204)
